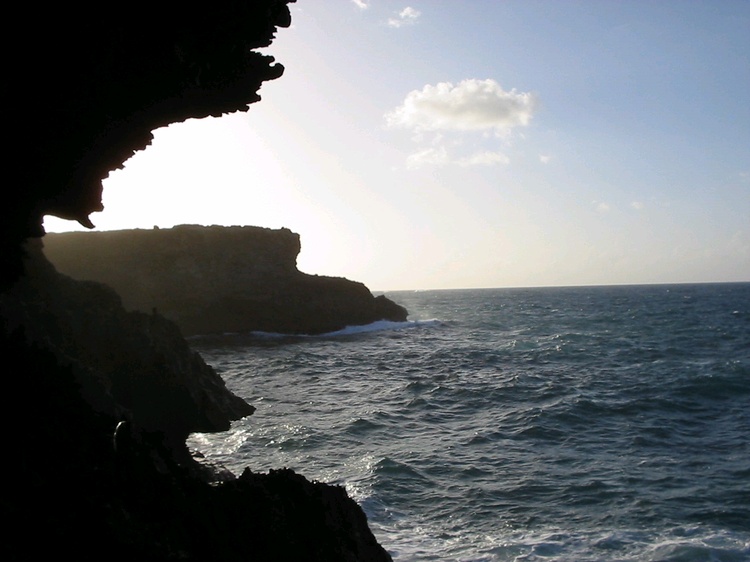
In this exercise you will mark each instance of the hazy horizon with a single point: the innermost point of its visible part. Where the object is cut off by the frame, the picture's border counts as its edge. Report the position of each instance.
(439, 145)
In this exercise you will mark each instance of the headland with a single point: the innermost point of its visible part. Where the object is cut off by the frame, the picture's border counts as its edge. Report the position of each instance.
(218, 279)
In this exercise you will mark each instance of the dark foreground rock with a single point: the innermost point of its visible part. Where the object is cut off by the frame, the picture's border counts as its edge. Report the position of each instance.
(125, 363)
(97, 399)
(100, 401)
(68, 492)
(219, 279)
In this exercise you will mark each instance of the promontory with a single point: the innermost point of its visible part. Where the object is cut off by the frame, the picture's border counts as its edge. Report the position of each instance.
(218, 279)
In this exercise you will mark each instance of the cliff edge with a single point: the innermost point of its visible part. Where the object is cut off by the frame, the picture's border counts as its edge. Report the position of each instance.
(100, 397)
(218, 279)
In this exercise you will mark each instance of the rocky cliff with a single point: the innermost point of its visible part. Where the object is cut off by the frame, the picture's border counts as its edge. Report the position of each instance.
(99, 398)
(218, 279)
(130, 365)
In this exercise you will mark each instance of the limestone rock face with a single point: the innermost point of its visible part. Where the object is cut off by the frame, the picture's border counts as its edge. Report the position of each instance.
(218, 279)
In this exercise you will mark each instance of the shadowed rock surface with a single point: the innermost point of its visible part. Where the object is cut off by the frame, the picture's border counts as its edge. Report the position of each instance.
(69, 492)
(219, 279)
(127, 363)
(99, 398)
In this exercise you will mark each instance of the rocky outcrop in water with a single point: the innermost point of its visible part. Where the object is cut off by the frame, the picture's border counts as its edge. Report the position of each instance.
(219, 279)
(98, 398)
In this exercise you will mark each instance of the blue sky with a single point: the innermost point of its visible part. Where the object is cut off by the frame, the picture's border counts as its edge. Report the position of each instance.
(480, 143)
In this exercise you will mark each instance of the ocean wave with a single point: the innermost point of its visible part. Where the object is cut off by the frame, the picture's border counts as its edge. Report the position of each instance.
(378, 326)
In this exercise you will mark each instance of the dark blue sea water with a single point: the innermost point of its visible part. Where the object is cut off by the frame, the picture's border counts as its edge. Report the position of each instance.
(597, 423)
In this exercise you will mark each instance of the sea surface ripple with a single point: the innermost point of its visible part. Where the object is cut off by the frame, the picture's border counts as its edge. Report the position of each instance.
(596, 423)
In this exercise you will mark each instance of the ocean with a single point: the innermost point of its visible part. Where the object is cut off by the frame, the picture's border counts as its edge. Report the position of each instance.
(581, 424)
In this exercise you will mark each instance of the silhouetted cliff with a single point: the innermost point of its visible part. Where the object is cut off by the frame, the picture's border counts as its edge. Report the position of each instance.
(88, 86)
(99, 398)
(218, 279)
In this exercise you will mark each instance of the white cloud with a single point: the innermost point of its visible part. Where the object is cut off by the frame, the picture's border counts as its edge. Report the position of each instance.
(602, 207)
(544, 159)
(470, 105)
(637, 205)
(407, 16)
(361, 4)
(475, 113)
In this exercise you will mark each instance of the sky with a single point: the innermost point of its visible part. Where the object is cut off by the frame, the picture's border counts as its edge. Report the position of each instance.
(479, 143)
